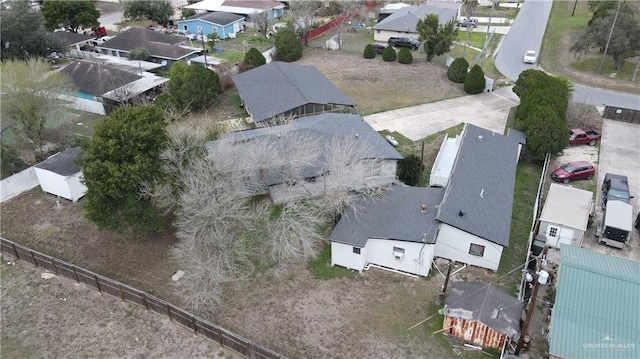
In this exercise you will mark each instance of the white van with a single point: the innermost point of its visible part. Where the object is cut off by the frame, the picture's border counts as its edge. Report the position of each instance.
(464, 22)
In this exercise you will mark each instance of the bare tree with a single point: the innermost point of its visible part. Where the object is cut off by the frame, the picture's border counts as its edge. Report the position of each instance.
(302, 19)
(469, 7)
(261, 21)
(347, 7)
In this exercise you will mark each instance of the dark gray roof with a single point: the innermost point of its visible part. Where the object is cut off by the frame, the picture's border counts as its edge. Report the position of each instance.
(62, 163)
(159, 45)
(406, 18)
(322, 126)
(96, 78)
(517, 135)
(486, 304)
(481, 185)
(278, 87)
(71, 38)
(218, 18)
(396, 216)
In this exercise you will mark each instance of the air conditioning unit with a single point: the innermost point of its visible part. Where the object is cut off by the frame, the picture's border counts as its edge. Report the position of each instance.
(398, 256)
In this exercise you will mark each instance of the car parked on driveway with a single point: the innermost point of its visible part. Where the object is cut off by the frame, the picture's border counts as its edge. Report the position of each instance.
(464, 22)
(573, 171)
(578, 136)
(615, 187)
(379, 47)
(409, 42)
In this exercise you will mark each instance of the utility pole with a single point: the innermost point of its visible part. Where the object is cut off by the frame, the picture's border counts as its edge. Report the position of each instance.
(613, 25)
(204, 48)
(443, 294)
(541, 279)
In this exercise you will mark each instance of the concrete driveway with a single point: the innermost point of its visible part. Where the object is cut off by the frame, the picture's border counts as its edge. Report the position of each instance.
(489, 110)
(619, 154)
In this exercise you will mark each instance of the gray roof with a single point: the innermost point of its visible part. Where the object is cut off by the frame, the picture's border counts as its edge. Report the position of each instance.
(486, 304)
(481, 185)
(517, 135)
(218, 18)
(96, 78)
(159, 45)
(322, 126)
(62, 163)
(395, 216)
(278, 87)
(71, 38)
(406, 18)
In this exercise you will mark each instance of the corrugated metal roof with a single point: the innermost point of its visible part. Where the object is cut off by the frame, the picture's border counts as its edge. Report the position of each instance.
(597, 308)
(567, 206)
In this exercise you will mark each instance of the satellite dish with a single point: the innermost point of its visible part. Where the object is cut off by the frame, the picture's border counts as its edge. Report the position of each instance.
(164, 63)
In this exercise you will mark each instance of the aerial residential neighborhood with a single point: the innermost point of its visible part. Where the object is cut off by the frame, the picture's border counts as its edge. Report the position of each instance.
(320, 179)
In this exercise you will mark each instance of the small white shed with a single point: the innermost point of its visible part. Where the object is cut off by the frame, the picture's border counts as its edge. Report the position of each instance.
(565, 216)
(59, 175)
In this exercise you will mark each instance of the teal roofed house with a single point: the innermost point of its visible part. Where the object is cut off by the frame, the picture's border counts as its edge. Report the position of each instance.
(597, 307)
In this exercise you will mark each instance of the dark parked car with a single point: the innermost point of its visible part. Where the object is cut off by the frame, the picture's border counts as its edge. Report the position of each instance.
(615, 187)
(379, 47)
(411, 43)
(573, 171)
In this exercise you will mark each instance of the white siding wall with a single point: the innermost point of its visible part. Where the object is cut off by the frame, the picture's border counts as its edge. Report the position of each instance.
(18, 183)
(76, 187)
(454, 244)
(53, 183)
(564, 235)
(417, 256)
(342, 255)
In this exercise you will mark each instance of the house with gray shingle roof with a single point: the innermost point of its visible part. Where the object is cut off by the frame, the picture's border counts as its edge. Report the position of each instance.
(223, 24)
(289, 90)
(59, 175)
(472, 213)
(161, 47)
(397, 231)
(475, 213)
(319, 134)
(402, 22)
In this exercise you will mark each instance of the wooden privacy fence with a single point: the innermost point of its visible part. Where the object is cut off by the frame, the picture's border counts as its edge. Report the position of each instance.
(128, 294)
(320, 30)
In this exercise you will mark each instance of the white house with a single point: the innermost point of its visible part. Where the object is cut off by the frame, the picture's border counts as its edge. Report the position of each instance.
(565, 216)
(475, 213)
(397, 231)
(59, 175)
(402, 21)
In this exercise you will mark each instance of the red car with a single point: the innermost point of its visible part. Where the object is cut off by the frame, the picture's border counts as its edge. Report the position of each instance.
(573, 171)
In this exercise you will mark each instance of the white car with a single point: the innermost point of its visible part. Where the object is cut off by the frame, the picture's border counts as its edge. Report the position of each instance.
(529, 57)
(185, 33)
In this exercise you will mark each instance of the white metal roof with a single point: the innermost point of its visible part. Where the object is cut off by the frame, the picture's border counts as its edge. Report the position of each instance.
(618, 215)
(208, 5)
(567, 206)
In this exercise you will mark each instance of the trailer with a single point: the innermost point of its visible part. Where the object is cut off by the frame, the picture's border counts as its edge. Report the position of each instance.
(616, 224)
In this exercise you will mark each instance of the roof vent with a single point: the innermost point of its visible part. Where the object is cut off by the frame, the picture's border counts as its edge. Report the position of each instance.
(482, 193)
(279, 135)
(357, 135)
(480, 138)
(461, 213)
(423, 208)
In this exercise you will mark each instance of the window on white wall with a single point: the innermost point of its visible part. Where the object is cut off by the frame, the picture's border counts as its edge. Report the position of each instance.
(398, 253)
(553, 231)
(356, 250)
(476, 250)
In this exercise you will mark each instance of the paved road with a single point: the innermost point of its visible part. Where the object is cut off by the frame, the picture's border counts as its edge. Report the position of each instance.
(526, 34)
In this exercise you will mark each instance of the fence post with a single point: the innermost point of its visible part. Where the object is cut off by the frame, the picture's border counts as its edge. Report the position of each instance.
(15, 251)
(35, 263)
(193, 321)
(95, 277)
(53, 263)
(121, 292)
(169, 311)
(144, 302)
(75, 275)
(220, 335)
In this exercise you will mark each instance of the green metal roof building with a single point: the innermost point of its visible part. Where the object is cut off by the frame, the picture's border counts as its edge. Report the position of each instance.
(597, 307)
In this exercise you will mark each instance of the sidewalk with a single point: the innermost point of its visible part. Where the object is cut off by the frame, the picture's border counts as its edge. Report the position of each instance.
(489, 110)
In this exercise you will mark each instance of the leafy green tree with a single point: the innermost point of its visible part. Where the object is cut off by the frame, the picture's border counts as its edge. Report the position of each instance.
(475, 83)
(545, 131)
(70, 15)
(288, 46)
(30, 97)
(369, 52)
(600, 9)
(536, 87)
(139, 53)
(22, 33)
(254, 58)
(624, 42)
(187, 13)
(389, 54)
(155, 10)
(409, 170)
(528, 80)
(121, 158)
(457, 71)
(437, 38)
(11, 162)
(194, 87)
(404, 56)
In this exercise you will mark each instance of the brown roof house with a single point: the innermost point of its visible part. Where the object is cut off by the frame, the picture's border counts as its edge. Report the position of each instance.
(162, 48)
(482, 314)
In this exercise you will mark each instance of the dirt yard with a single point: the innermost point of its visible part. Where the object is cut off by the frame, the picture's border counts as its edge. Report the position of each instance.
(288, 311)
